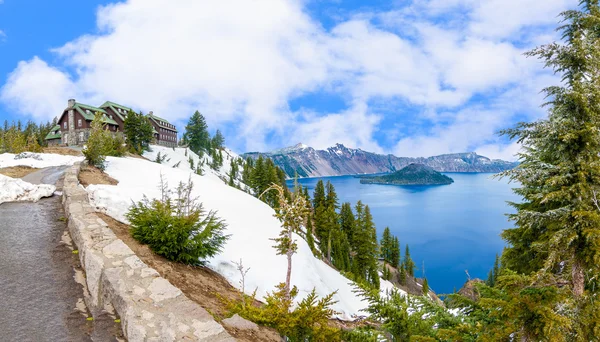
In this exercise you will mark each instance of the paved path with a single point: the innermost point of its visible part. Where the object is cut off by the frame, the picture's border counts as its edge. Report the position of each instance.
(39, 297)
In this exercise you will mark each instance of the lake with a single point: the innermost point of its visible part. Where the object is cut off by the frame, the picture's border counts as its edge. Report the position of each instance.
(449, 228)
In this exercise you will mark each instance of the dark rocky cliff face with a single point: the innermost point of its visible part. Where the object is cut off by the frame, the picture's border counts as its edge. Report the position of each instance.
(339, 160)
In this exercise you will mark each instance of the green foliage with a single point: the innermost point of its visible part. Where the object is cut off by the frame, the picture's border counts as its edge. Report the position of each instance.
(308, 321)
(196, 134)
(413, 174)
(260, 174)
(98, 144)
(138, 130)
(408, 264)
(178, 229)
(218, 141)
(401, 317)
(425, 287)
(161, 158)
(494, 273)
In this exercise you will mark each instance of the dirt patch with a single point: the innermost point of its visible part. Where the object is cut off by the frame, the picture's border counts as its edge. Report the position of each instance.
(62, 150)
(200, 284)
(133, 155)
(17, 171)
(93, 175)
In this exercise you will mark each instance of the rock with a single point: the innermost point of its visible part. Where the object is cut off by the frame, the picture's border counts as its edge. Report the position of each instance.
(240, 323)
(25, 155)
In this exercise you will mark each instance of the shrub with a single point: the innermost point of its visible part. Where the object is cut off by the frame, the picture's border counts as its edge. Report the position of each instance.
(102, 143)
(309, 321)
(178, 229)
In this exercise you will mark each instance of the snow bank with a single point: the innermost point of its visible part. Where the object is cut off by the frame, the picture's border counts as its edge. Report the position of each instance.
(17, 190)
(250, 223)
(37, 160)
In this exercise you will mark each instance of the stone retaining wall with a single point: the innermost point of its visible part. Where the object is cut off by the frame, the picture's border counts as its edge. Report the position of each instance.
(150, 308)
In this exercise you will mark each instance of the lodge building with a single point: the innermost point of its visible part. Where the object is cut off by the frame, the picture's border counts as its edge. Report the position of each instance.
(74, 124)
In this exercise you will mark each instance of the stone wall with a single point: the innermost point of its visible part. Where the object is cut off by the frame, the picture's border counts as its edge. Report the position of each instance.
(150, 308)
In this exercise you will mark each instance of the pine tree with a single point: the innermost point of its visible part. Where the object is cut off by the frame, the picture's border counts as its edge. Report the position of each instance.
(409, 264)
(218, 141)
(348, 224)
(292, 215)
(309, 235)
(558, 224)
(425, 287)
(387, 245)
(138, 131)
(196, 134)
(402, 276)
(395, 253)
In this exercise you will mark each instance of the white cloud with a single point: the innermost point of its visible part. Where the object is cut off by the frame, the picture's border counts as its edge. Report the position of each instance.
(37, 89)
(354, 128)
(242, 67)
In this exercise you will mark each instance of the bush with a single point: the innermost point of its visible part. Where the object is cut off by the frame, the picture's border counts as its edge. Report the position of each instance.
(309, 321)
(102, 143)
(177, 229)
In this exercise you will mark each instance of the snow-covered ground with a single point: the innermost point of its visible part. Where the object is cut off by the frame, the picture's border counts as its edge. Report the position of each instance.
(179, 156)
(250, 223)
(37, 160)
(16, 190)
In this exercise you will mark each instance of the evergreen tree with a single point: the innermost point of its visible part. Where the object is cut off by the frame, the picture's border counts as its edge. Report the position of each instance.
(309, 235)
(218, 141)
(138, 131)
(196, 134)
(425, 287)
(558, 224)
(395, 253)
(387, 245)
(348, 224)
(402, 276)
(366, 249)
(409, 264)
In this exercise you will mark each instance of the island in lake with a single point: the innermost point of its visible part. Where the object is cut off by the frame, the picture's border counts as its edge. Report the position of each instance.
(413, 174)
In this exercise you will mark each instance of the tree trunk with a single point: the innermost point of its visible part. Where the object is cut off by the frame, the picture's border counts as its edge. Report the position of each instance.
(288, 276)
(578, 279)
(329, 246)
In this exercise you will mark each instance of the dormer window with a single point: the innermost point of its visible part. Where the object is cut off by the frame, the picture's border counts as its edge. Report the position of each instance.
(87, 111)
(111, 117)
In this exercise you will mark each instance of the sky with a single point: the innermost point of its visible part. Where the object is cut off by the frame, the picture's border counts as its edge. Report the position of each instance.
(411, 78)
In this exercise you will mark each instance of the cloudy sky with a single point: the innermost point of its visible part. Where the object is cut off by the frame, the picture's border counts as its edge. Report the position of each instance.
(412, 78)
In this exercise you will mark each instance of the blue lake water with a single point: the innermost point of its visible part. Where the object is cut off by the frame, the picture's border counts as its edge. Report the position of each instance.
(451, 228)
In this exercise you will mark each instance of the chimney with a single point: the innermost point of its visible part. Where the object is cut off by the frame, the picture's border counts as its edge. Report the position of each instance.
(150, 112)
(71, 103)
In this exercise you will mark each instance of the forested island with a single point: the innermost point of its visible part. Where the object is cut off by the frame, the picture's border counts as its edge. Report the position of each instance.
(413, 174)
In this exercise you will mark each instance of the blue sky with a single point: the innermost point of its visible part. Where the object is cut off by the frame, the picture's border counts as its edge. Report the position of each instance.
(412, 78)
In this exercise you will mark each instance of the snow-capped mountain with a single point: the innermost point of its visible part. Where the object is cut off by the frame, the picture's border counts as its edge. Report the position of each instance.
(340, 160)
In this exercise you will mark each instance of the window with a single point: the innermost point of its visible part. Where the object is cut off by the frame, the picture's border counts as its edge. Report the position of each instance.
(65, 125)
(79, 123)
(87, 111)
(111, 117)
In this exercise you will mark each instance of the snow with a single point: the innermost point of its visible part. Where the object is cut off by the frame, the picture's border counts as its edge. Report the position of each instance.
(36, 160)
(17, 190)
(180, 156)
(250, 222)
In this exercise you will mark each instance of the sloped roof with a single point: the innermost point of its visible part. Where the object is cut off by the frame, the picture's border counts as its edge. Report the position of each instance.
(115, 107)
(162, 122)
(54, 133)
(88, 113)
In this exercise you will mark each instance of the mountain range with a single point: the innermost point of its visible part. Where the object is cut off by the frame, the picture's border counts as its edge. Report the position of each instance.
(340, 160)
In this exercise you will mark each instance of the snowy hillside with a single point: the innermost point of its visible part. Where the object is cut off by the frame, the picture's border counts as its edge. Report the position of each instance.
(250, 223)
(179, 157)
